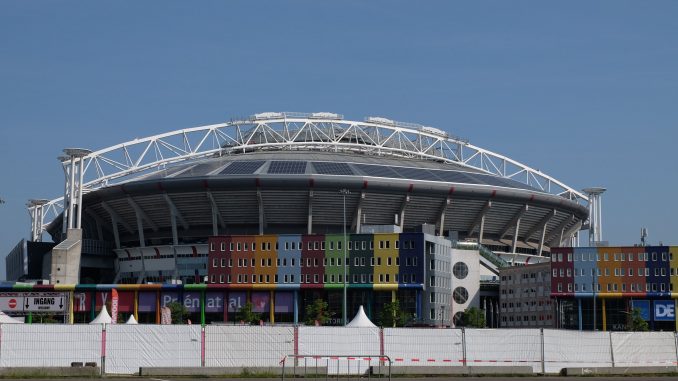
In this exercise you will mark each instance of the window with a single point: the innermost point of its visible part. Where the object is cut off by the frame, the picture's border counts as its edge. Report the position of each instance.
(230, 246)
(388, 261)
(223, 262)
(214, 262)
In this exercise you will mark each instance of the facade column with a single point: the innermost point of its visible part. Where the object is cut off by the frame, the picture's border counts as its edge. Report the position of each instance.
(271, 308)
(296, 307)
(604, 316)
(579, 313)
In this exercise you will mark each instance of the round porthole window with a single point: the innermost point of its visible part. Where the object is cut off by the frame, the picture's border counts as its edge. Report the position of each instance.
(458, 318)
(460, 270)
(460, 295)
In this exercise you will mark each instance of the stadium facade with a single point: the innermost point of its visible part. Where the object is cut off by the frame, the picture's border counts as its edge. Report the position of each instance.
(160, 210)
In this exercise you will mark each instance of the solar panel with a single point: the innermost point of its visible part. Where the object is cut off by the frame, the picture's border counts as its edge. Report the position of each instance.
(242, 167)
(287, 167)
(377, 171)
(326, 168)
(202, 169)
(454, 177)
(416, 173)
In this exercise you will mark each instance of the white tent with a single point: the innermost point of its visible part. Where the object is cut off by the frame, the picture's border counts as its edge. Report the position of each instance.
(6, 319)
(103, 317)
(361, 320)
(131, 320)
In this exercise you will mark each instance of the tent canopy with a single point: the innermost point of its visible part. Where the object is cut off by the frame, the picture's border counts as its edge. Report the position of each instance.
(6, 319)
(131, 320)
(103, 317)
(361, 320)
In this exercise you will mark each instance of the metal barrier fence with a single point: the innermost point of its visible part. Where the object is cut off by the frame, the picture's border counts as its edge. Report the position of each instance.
(123, 349)
(338, 366)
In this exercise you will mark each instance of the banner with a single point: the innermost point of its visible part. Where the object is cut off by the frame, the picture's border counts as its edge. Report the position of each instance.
(192, 301)
(236, 300)
(643, 306)
(147, 301)
(284, 302)
(214, 301)
(664, 310)
(114, 306)
(261, 301)
(168, 297)
(82, 301)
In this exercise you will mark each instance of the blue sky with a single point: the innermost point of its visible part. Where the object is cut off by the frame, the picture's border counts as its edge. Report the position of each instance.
(585, 91)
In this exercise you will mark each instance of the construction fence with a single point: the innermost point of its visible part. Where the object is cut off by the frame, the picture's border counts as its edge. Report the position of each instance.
(123, 349)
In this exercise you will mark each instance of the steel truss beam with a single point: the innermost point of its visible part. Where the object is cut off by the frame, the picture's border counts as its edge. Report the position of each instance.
(294, 131)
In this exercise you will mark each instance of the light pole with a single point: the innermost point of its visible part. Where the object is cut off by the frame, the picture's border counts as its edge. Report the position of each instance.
(344, 192)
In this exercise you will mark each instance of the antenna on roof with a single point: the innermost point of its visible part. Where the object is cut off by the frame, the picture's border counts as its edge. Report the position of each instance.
(643, 236)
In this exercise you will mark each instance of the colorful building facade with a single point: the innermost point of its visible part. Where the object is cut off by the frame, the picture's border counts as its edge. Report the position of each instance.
(603, 284)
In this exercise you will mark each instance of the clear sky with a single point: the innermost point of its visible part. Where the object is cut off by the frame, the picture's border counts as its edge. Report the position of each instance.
(586, 91)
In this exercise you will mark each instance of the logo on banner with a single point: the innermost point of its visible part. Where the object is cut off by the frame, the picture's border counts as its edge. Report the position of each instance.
(664, 310)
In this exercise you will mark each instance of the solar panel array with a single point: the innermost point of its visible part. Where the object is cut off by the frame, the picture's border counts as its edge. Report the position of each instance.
(297, 167)
(327, 168)
(287, 167)
(242, 167)
(416, 174)
(377, 170)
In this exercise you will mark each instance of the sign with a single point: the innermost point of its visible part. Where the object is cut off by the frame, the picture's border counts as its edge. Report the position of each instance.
(643, 306)
(33, 301)
(165, 315)
(664, 310)
(45, 302)
(11, 302)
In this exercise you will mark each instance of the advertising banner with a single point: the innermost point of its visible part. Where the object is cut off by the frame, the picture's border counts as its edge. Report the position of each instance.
(261, 301)
(82, 301)
(126, 301)
(236, 300)
(192, 301)
(147, 301)
(168, 297)
(643, 306)
(114, 306)
(664, 310)
(284, 302)
(214, 301)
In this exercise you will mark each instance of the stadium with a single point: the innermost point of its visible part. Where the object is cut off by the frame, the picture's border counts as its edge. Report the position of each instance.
(184, 207)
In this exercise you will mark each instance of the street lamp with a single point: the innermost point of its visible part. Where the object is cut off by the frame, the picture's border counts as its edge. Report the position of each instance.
(344, 192)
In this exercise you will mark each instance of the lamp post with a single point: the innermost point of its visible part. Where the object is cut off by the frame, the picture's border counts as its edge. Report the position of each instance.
(344, 192)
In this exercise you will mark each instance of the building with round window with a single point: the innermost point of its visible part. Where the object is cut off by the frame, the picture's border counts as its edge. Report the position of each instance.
(286, 186)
